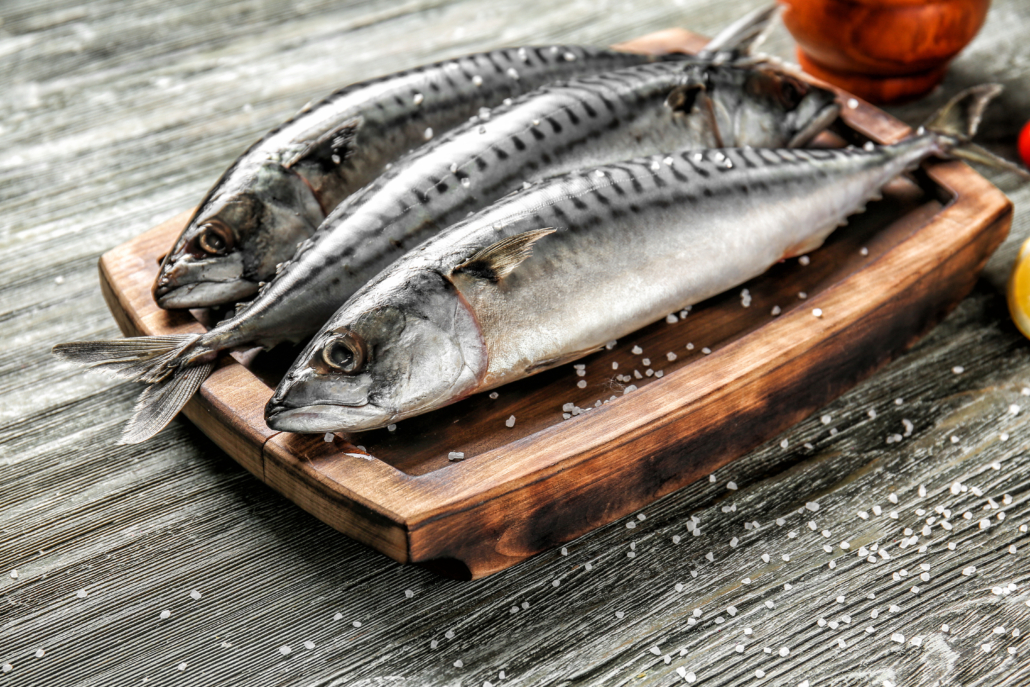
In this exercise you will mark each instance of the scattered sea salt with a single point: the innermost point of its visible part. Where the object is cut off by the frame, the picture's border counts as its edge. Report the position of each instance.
(510, 422)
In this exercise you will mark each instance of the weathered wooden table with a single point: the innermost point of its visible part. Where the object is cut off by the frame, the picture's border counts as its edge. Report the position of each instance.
(167, 563)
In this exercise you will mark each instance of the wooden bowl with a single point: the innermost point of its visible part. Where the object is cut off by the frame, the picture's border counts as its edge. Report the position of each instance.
(884, 51)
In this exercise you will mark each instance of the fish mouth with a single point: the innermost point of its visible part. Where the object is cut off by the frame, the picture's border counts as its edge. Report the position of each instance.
(203, 294)
(188, 282)
(326, 417)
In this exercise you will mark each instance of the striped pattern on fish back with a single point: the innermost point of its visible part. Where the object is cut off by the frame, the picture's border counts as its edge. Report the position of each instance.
(639, 239)
(396, 110)
(561, 127)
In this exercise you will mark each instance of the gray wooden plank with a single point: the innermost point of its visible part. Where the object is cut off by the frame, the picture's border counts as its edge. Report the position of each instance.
(116, 115)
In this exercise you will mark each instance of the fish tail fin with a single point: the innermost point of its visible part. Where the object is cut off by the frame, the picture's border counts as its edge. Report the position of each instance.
(956, 123)
(147, 359)
(154, 360)
(743, 36)
(161, 402)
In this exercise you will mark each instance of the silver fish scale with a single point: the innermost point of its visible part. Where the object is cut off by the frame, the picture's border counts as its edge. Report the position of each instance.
(559, 128)
(392, 119)
(450, 91)
(647, 237)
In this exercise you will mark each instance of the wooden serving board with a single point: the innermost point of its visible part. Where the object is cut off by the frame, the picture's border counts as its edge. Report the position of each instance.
(546, 480)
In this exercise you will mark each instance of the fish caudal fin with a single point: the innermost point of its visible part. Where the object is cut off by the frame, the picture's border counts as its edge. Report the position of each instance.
(154, 360)
(743, 36)
(958, 121)
(161, 402)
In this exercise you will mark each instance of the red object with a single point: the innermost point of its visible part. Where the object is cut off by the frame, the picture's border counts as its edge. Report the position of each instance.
(1024, 144)
(882, 50)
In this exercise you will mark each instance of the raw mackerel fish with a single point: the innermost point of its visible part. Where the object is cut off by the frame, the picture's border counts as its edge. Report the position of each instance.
(280, 190)
(551, 274)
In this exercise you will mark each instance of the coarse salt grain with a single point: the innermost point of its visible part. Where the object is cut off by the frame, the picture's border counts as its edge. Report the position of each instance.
(510, 422)
(455, 455)
(285, 650)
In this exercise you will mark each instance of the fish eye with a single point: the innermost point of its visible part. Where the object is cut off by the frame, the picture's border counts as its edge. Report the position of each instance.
(344, 352)
(215, 238)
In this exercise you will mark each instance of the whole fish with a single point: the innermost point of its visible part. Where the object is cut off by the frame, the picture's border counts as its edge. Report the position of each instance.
(279, 191)
(600, 118)
(550, 274)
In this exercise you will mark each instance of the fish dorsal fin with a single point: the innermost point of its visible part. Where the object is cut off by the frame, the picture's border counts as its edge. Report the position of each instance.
(336, 142)
(498, 260)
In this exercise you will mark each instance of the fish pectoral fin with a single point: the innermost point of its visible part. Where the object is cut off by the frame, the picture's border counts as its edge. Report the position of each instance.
(557, 361)
(807, 245)
(498, 260)
(337, 141)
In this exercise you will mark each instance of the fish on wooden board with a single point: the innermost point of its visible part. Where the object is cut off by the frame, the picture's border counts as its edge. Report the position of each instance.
(550, 274)
(280, 190)
(585, 121)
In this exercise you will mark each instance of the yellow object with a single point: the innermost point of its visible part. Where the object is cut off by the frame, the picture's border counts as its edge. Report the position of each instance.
(1019, 290)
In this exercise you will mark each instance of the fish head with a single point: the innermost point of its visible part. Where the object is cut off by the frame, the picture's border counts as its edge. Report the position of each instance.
(251, 221)
(766, 107)
(382, 359)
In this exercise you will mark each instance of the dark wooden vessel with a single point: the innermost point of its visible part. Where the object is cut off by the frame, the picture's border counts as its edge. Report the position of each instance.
(880, 283)
(885, 51)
